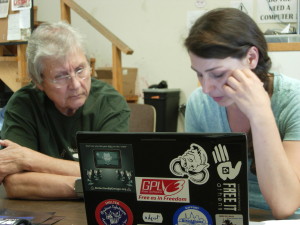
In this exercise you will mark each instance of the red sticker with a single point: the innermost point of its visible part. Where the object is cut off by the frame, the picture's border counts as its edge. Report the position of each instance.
(112, 211)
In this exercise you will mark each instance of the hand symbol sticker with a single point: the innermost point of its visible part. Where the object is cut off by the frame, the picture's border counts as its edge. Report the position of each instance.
(225, 169)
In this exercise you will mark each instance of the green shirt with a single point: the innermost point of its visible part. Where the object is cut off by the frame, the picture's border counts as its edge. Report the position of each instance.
(32, 120)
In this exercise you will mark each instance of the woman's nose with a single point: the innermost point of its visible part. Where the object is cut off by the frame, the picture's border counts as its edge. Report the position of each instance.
(207, 85)
(74, 82)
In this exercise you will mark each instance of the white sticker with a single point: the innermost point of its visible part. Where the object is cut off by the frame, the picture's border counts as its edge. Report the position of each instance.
(193, 164)
(162, 189)
(149, 217)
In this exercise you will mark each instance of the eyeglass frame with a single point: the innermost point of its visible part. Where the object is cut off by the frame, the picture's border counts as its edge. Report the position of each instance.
(68, 77)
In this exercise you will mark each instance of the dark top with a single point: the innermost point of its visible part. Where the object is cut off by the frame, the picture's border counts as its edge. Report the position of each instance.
(32, 120)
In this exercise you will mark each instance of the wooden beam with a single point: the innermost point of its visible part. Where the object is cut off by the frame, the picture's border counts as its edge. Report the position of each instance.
(9, 75)
(22, 65)
(65, 12)
(23, 77)
(98, 26)
(117, 75)
(284, 46)
(8, 58)
(92, 65)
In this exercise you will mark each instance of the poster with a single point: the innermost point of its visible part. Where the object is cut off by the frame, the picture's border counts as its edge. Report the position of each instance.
(4, 4)
(20, 4)
(277, 11)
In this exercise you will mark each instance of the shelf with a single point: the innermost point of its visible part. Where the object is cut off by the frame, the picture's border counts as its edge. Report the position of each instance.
(132, 99)
(273, 47)
(284, 42)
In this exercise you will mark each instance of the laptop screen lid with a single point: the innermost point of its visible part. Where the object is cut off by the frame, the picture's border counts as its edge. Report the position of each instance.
(164, 178)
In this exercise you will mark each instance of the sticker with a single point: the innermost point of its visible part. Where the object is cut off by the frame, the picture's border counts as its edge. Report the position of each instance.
(229, 196)
(108, 167)
(149, 217)
(162, 189)
(112, 211)
(225, 168)
(229, 219)
(193, 163)
(191, 214)
(200, 3)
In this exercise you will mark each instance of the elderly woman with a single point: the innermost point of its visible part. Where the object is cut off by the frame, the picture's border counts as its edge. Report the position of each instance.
(229, 54)
(39, 159)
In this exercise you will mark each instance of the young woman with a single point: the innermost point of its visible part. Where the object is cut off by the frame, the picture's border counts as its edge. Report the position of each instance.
(229, 54)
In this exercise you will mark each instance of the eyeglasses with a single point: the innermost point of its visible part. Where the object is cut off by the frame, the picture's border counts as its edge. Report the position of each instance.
(62, 80)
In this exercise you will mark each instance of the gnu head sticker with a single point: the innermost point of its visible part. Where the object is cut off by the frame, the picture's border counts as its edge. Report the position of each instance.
(225, 168)
(191, 214)
(193, 164)
(113, 212)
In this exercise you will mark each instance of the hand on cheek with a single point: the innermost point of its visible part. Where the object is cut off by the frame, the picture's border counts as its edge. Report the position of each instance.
(247, 91)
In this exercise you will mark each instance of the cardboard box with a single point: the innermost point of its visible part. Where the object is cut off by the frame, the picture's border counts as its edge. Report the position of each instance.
(129, 78)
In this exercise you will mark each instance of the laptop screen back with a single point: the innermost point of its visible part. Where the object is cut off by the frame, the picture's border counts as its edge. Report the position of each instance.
(164, 178)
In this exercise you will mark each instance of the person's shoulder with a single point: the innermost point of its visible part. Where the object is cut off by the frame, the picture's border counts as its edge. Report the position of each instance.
(197, 96)
(201, 101)
(104, 92)
(197, 93)
(286, 93)
(25, 100)
(286, 85)
(24, 93)
(101, 87)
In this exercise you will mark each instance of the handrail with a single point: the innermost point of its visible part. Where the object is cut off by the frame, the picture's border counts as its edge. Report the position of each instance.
(117, 44)
(99, 27)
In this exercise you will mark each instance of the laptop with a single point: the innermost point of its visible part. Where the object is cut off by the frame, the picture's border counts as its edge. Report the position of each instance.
(164, 178)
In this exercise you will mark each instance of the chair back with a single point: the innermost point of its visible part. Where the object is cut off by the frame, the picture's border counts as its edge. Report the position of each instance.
(142, 118)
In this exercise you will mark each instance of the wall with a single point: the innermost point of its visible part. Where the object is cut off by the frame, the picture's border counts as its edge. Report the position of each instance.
(155, 30)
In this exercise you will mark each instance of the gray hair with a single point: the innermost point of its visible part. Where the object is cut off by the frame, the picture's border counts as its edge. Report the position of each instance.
(51, 40)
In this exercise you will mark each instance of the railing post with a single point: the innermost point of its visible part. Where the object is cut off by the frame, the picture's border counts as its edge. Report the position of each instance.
(117, 69)
(22, 65)
(117, 44)
(65, 12)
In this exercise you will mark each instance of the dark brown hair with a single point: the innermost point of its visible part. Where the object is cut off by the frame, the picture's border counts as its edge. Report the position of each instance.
(228, 32)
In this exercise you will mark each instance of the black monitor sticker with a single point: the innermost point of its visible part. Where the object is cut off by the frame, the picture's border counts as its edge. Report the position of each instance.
(108, 167)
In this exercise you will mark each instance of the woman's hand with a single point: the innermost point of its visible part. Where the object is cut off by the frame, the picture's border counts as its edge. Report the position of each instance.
(247, 91)
(11, 158)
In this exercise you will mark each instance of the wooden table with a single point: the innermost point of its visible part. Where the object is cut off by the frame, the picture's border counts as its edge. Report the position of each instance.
(74, 211)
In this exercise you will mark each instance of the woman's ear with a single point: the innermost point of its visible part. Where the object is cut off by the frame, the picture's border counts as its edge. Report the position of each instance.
(252, 57)
(39, 86)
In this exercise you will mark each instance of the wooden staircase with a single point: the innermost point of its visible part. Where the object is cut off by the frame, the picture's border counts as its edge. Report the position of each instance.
(13, 71)
(13, 68)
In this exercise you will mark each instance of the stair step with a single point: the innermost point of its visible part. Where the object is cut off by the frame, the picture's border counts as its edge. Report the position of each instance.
(9, 75)
(8, 58)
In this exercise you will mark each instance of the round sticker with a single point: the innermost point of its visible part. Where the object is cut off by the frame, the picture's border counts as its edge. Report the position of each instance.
(191, 214)
(112, 211)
